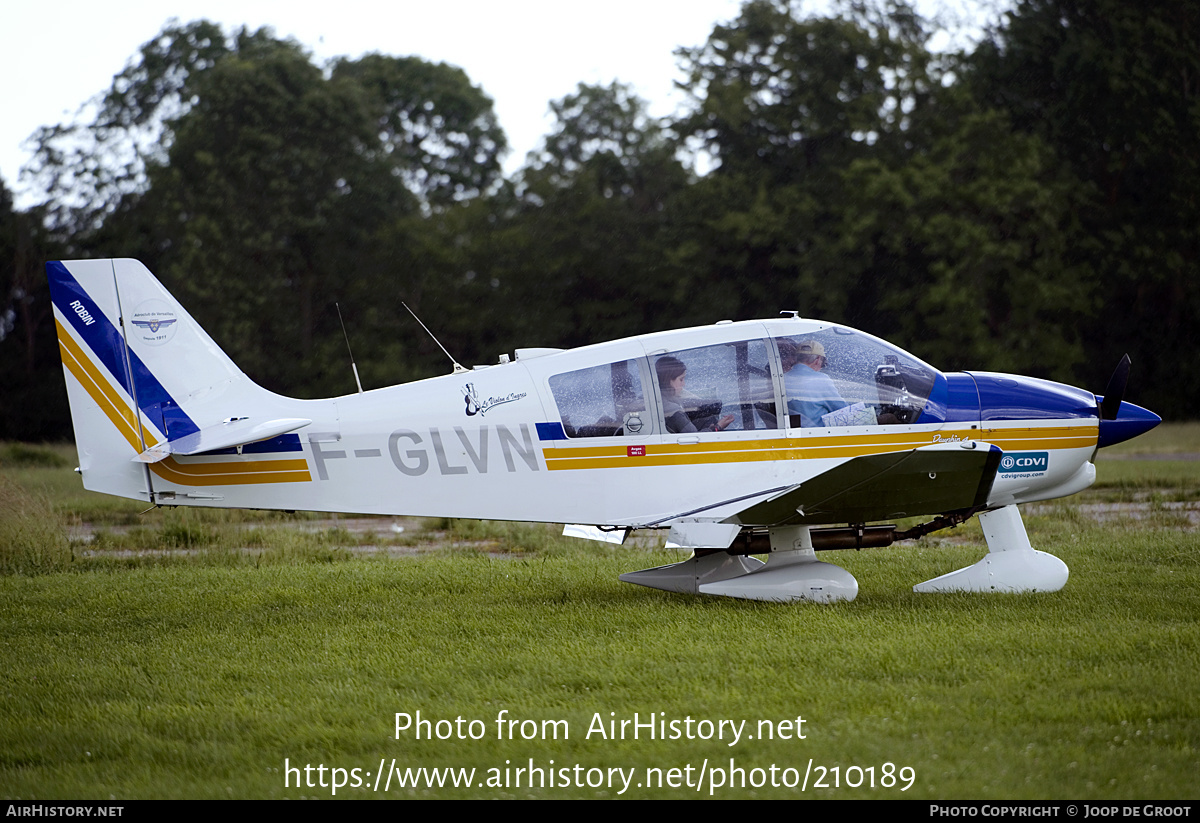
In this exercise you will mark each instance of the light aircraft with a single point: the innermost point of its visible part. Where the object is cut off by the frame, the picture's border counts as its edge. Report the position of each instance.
(707, 432)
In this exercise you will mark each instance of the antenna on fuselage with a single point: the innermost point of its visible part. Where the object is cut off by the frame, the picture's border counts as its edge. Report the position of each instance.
(458, 369)
(353, 367)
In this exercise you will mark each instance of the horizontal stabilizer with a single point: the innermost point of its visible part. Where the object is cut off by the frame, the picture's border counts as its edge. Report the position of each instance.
(229, 434)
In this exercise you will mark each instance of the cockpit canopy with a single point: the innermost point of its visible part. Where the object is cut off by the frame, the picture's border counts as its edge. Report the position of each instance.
(879, 383)
(826, 377)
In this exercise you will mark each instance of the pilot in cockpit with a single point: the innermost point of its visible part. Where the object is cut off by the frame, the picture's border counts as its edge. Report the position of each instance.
(672, 374)
(811, 393)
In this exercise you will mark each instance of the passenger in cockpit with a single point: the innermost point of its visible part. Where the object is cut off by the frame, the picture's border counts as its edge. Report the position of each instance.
(672, 374)
(811, 393)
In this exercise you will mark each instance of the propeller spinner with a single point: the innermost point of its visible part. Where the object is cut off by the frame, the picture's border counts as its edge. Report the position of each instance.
(1120, 421)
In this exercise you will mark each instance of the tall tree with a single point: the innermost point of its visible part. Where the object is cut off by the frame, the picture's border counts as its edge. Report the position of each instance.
(785, 103)
(90, 166)
(1114, 89)
(32, 407)
(780, 96)
(268, 179)
(589, 234)
(437, 129)
(260, 198)
(962, 253)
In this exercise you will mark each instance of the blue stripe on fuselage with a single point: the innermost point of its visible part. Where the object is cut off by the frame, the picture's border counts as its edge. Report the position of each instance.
(551, 431)
(282, 443)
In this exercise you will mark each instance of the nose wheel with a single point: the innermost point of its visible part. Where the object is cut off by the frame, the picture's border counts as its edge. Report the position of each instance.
(1011, 564)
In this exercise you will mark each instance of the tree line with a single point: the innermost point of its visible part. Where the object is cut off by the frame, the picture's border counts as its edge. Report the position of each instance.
(1030, 205)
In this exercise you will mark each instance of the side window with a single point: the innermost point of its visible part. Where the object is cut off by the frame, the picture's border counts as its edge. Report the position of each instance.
(603, 401)
(717, 388)
(838, 377)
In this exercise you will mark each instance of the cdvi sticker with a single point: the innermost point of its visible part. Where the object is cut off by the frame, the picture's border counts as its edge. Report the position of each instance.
(1025, 462)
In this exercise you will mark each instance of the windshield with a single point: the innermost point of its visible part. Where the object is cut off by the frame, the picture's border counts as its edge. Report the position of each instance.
(840, 377)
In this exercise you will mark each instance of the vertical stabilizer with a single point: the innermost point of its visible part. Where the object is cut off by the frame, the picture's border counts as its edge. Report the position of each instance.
(140, 373)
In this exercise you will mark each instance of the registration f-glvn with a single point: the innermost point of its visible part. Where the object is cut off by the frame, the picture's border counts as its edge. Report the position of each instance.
(776, 437)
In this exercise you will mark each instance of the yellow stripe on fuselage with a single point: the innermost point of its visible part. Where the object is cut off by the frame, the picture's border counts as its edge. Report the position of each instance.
(233, 474)
(811, 448)
(1041, 437)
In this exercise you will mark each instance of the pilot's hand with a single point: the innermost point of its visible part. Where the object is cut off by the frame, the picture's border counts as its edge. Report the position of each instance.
(724, 421)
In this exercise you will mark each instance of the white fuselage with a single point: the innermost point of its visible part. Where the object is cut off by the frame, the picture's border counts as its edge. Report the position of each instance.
(470, 445)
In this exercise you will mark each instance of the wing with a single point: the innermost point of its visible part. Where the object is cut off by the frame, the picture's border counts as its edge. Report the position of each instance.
(933, 479)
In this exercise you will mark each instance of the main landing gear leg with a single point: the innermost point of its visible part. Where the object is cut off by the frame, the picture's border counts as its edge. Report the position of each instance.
(1011, 564)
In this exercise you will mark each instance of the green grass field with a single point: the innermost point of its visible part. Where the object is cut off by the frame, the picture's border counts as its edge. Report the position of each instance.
(194, 654)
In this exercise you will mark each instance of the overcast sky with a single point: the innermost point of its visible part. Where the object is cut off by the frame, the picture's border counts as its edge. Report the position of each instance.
(54, 56)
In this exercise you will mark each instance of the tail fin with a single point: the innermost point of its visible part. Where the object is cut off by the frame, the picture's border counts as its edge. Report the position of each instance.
(145, 381)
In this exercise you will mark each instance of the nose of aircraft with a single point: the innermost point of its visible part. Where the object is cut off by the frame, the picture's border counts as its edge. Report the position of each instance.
(1013, 397)
(1130, 421)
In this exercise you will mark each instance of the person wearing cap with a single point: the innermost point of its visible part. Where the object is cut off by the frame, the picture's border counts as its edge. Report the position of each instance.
(810, 392)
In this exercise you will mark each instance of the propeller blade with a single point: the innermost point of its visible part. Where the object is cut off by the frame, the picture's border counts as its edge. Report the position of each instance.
(1114, 392)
